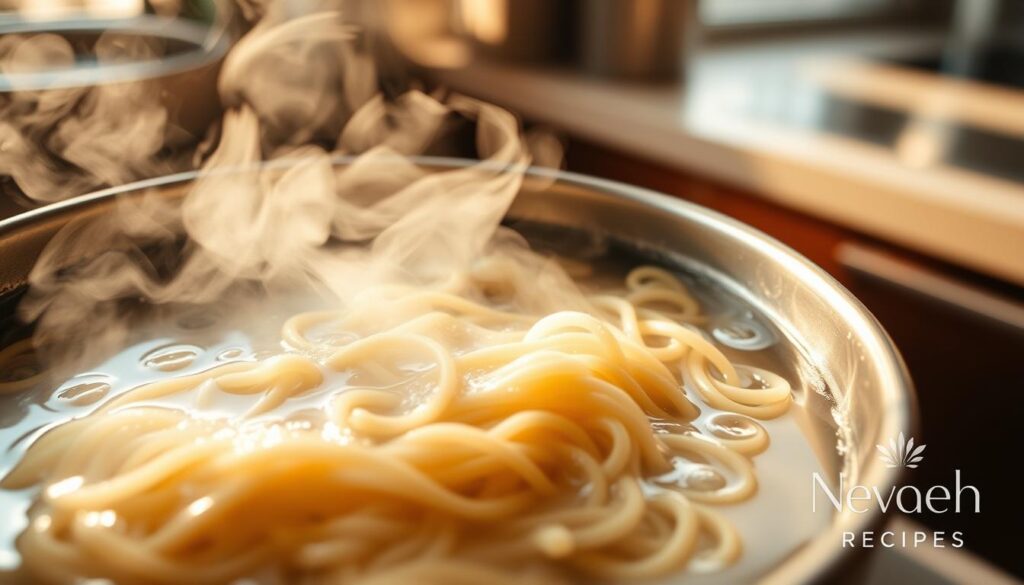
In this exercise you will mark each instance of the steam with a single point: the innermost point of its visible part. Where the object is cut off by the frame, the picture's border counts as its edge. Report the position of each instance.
(60, 142)
(298, 93)
(290, 73)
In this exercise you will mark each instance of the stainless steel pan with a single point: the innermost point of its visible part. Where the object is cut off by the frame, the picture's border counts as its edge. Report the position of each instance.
(844, 348)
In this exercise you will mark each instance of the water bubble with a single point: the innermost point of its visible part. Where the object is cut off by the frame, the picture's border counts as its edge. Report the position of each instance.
(751, 379)
(305, 419)
(703, 478)
(733, 426)
(87, 390)
(672, 427)
(691, 475)
(230, 354)
(171, 358)
(743, 332)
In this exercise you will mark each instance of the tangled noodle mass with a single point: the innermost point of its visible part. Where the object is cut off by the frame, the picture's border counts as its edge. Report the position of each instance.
(451, 441)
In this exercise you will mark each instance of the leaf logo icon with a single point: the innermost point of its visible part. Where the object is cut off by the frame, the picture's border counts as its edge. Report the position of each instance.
(901, 453)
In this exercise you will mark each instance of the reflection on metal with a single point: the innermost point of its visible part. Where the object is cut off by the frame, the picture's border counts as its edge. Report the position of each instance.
(188, 46)
(641, 40)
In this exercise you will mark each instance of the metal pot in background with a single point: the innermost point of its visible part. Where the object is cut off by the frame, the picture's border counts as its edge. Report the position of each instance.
(642, 40)
(519, 30)
(638, 39)
(167, 64)
(449, 33)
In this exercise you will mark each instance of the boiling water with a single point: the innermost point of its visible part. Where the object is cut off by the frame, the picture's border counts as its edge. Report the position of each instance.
(772, 524)
(779, 518)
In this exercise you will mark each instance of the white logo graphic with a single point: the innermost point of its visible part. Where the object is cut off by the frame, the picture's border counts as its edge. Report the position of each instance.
(901, 452)
(955, 497)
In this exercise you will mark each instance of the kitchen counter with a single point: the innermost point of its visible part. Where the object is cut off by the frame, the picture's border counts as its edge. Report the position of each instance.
(764, 117)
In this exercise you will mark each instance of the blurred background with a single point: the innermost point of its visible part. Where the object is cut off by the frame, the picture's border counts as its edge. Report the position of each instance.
(883, 139)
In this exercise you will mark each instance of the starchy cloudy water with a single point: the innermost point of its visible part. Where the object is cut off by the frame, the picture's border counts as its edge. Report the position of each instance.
(768, 523)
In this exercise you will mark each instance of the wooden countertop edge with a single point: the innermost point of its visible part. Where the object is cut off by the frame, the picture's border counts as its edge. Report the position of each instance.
(956, 215)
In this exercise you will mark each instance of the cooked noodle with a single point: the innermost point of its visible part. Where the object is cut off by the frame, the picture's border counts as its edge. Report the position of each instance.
(467, 443)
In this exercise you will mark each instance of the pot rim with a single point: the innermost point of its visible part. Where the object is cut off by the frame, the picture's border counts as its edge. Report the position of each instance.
(211, 44)
(898, 408)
